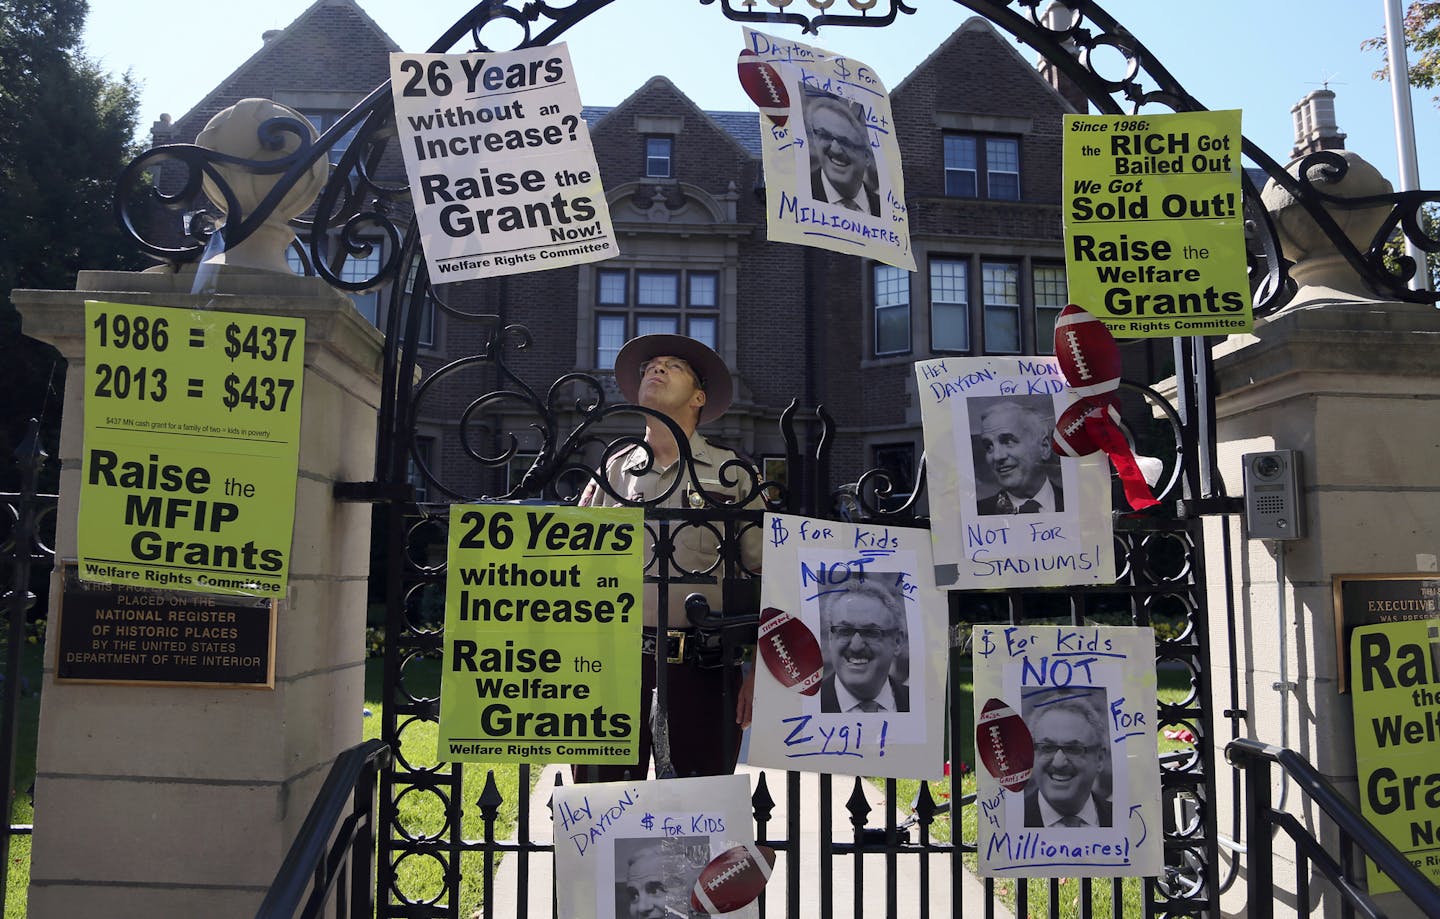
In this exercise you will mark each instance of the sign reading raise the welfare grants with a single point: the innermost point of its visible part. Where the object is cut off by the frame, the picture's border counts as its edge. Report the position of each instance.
(192, 440)
(1017, 514)
(500, 164)
(1068, 779)
(542, 634)
(852, 651)
(1154, 227)
(833, 168)
(1395, 681)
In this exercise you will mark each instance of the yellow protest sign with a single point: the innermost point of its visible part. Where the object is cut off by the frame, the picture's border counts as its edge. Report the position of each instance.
(542, 634)
(1395, 680)
(192, 440)
(1154, 226)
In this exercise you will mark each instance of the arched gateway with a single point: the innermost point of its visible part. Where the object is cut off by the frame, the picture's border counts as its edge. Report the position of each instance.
(547, 434)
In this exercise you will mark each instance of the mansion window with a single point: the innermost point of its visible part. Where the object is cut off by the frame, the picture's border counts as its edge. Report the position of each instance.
(368, 302)
(982, 166)
(949, 305)
(892, 310)
(658, 151)
(631, 303)
(1051, 295)
(323, 120)
(1013, 302)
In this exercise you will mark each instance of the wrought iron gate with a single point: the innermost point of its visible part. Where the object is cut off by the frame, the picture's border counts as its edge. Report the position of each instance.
(1159, 557)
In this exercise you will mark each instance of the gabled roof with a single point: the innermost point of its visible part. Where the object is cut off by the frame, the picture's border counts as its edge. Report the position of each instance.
(313, 18)
(743, 127)
(729, 124)
(981, 25)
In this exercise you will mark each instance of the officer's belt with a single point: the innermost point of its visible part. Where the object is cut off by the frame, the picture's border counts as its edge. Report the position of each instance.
(685, 646)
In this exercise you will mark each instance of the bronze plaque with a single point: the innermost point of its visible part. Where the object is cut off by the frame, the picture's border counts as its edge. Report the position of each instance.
(112, 633)
(1367, 599)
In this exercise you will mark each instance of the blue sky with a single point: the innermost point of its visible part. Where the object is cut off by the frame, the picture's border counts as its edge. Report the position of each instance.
(1261, 56)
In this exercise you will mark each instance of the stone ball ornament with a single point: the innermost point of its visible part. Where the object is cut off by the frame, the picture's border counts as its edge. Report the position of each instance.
(241, 132)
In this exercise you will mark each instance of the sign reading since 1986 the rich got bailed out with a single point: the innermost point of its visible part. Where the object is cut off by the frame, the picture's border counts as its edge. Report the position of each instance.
(192, 431)
(1154, 229)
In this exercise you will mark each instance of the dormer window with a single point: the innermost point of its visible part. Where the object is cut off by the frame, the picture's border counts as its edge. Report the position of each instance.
(658, 151)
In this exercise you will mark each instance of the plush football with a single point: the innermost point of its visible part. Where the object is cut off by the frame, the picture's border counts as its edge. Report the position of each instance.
(762, 83)
(1075, 431)
(1089, 355)
(732, 879)
(790, 651)
(1002, 742)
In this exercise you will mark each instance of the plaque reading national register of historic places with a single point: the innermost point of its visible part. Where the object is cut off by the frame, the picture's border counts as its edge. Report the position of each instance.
(120, 634)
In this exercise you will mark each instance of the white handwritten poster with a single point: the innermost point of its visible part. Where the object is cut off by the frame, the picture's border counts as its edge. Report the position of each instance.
(501, 169)
(832, 170)
(1020, 515)
(636, 849)
(1069, 776)
(850, 676)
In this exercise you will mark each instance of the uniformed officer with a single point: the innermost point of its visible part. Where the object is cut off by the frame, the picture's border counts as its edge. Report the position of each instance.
(689, 383)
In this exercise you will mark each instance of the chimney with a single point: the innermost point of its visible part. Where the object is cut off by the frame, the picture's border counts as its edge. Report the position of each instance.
(1058, 18)
(1315, 127)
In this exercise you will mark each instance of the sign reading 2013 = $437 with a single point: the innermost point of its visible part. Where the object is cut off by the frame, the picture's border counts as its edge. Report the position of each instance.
(192, 436)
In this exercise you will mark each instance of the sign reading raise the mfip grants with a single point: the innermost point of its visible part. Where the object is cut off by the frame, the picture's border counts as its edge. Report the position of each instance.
(501, 169)
(192, 441)
(1154, 229)
(542, 634)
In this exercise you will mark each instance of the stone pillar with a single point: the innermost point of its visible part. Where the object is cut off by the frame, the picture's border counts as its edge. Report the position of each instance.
(173, 801)
(182, 801)
(1353, 385)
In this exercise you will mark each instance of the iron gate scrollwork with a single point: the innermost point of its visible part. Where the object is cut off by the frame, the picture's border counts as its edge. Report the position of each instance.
(574, 422)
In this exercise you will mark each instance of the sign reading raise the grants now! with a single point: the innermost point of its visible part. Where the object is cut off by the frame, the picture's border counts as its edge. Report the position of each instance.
(501, 169)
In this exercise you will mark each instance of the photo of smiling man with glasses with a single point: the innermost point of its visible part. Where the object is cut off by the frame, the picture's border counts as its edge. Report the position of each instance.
(1071, 756)
(842, 164)
(862, 640)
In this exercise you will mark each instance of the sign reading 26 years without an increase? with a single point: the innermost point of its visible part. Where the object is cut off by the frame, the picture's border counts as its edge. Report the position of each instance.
(192, 429)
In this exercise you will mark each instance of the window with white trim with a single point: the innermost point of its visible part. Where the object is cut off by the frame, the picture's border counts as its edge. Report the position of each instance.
(1051, 296)
(1000, 291)
(659, 153)
(630, 303)
(982, 166)
(949, 304)
(892, 310)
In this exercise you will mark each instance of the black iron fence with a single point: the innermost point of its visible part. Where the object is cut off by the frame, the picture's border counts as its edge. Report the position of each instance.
(24, 554)
(1338, 868)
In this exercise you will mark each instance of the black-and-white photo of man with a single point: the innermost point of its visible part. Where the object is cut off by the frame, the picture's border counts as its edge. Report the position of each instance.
(1013, 448)
(863, 638)
(654, 877)
(1071, 758)
(842, 163)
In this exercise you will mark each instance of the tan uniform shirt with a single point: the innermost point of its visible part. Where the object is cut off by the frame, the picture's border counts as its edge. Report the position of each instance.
(696, 546)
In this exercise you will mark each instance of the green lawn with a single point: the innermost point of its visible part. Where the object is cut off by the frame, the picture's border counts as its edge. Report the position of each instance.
(17, 877)
(421, 879)
(423, 815)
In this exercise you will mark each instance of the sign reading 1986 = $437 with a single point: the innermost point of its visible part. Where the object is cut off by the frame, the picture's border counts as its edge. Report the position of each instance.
(192, 437)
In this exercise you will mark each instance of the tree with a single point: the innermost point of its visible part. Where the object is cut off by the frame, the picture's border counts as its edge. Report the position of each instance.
(66, 131)
(1422, 38)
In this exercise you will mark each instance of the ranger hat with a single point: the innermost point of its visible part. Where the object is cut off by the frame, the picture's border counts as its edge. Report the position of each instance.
(709, 366)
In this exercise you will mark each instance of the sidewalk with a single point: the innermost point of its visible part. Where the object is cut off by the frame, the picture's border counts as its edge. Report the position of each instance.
(874, 883)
